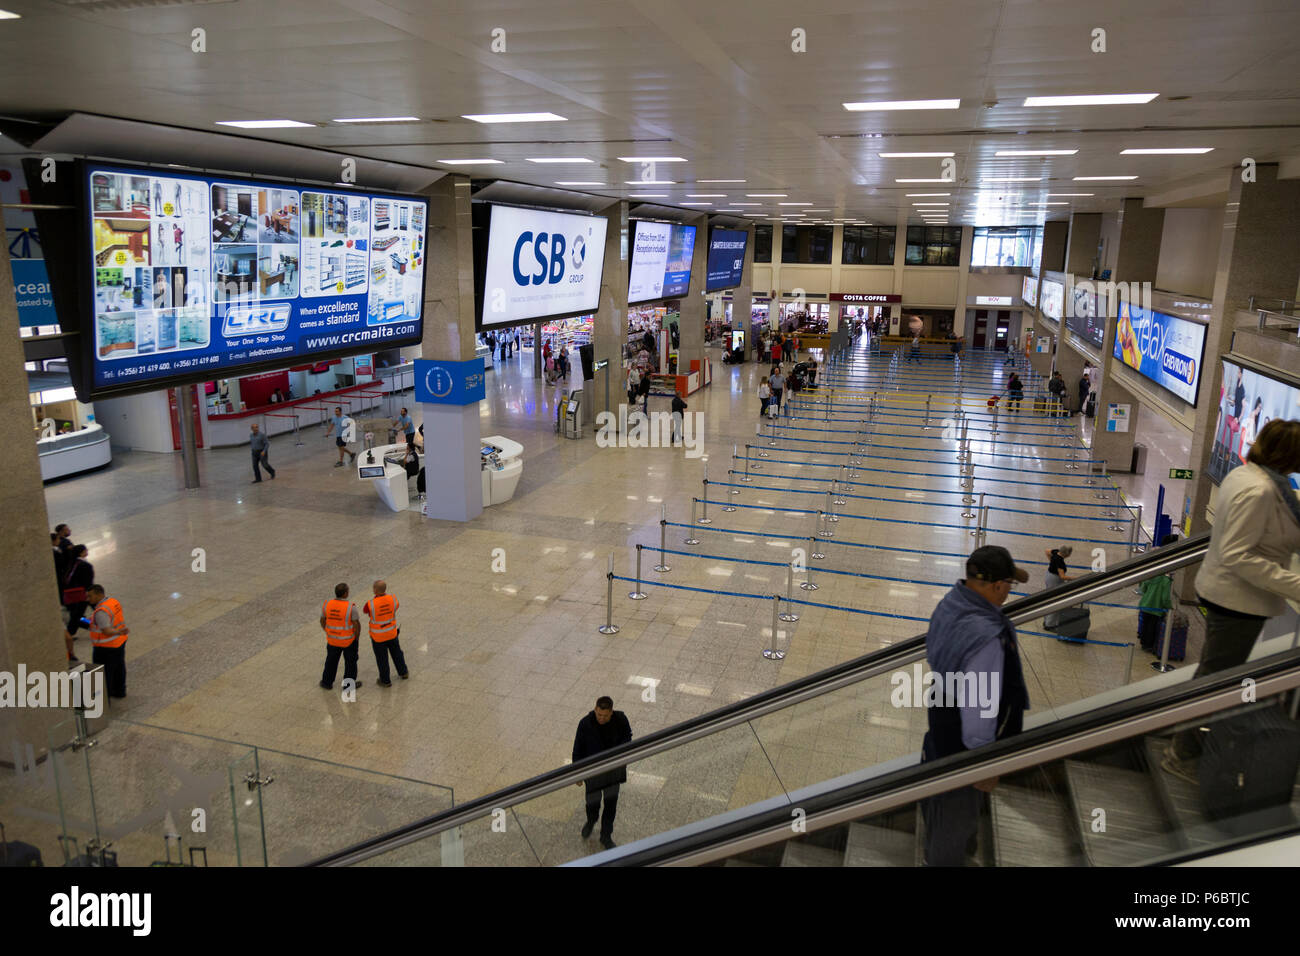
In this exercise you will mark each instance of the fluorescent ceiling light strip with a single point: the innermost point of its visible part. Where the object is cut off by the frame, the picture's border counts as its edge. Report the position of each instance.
(649, 182)
(381, 119)
(265, 124)
(9, 15)
(1084, 179)
(470, 162)
(560, 159)
(1088, 99)
(1035, 152)
(922, 180)
(794, 204)
(913, 155)
(766, 195)
(920, 195)
(652, 159)
(746, 204)
(647, 195)
(1171, 151)
(1012, 179)
(931, 204)
(513, 117)
(706, 195)
(720, 180)
(695, 204)
(903, 105)
(577, 183)
(1049, 195)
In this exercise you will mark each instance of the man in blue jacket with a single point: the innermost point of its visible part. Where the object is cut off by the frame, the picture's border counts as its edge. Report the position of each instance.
(602, 729)
(972, 650)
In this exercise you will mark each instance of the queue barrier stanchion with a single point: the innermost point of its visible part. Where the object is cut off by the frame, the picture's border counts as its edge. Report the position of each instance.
(772, 653)
(636, 594)
(926, 427)
(825, 531)
(807, 584)
(831, 516)
(662, 567)
(1135, 533)
(790, 615)
(1163, 665)
(734, 449)
(1101, 495)
(609, 627)
(705, 519)
(748, 455)
(692, 539)
(979, 512)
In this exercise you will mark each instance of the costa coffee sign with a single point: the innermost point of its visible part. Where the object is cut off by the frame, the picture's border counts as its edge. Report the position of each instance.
(868, 297)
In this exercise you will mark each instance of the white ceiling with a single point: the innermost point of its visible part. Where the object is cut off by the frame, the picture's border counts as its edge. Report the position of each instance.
(715, 82)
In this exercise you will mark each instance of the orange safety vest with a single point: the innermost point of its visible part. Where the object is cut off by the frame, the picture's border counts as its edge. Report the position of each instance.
(99, 638)
(338, 622)
(383, 617)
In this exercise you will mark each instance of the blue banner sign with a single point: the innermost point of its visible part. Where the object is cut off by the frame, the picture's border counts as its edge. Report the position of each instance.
(32, 289)
(449, 383)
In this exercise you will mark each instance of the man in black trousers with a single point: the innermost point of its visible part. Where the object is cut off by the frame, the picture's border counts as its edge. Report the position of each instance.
(600, 730)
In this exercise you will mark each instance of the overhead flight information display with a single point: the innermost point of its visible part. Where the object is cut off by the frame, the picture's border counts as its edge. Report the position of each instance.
(660, 266)
(190, 274)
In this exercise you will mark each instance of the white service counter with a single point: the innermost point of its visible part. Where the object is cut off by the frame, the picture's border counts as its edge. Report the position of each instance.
(75, 452)
(501, 475)
(382, 466)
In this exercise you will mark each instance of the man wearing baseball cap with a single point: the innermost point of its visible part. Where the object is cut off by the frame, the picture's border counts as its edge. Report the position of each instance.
(971, 644)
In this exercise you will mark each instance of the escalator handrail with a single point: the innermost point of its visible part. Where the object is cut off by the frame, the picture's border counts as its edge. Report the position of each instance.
(1117, 722)
(1077, 591)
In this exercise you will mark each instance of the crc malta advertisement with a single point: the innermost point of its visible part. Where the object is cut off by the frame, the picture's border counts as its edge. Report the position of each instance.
(541, 264)
(660, 266)
(191, 274)
(1163, 348)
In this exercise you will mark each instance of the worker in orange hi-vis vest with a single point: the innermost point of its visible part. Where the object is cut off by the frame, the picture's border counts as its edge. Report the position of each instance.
(384, 632)
(108, 633)
(342, 626)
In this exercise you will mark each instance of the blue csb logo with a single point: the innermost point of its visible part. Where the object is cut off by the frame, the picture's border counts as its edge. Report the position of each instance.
(579, 251)
(548, 251)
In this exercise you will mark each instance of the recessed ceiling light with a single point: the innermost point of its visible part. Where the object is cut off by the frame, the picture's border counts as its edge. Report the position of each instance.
(931, 204)
(513, 117)
(1035, 152)
(381, 119)
(922, 180)
(1102, 99)
(6, 15)
(706, 195)
(1083, 179)
(747, 204)
(560, 159)
(577, 183)
(264, 124)
(647, 195)
(913, 155)
(1070, 194)
(695, 204)
(1173, 151)
(1012, 179)
(649, 182)
(903, 105)
(469, 162)
(794, 204)
(766, 195)
(919, 195)
(652, 159)
(1036, 204)
(719, 180)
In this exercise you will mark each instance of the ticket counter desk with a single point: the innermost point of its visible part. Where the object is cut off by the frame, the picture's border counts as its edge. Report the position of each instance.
(500, 465)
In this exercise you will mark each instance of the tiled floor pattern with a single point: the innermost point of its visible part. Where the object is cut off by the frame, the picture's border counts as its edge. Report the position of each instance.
(504, 664)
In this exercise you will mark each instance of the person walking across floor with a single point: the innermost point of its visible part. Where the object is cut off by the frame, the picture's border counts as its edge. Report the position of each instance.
(776, 382)
(914, 349)
(1246, 577)
(633, 384)
(384, 633)
(78, 576)
(971, 643)
(678, 415)
(764, 396)
(339, 426)
(260, 446)
(1085, 386)
(403, 421)
(108, 632)
(1057, 389)
(602, 729)
(1055, 577)
(1015, 393)
(342, 626)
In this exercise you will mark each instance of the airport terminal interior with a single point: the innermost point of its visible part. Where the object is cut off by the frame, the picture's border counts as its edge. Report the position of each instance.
(496, 298)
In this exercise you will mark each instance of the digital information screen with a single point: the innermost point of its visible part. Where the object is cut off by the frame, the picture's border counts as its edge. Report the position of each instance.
(540, 264)
(726, 259)
(660, 266)
(190, 275)
(1052, 299)
(1163, 348)
(1248, 400)
(1082, 318)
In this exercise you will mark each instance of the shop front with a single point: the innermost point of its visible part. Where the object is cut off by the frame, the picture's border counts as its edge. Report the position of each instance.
(863, 310)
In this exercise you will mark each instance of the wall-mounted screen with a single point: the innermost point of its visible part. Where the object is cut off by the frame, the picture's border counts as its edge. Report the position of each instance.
(1163, 348)
(1248, 400)
(660, 262)
(726, 259)
(536, 264)
(1052, 299)
(1082, 319)
(1029, 290)
(187, 276)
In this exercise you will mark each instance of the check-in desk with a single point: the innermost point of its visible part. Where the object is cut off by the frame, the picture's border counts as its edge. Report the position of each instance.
(500, 465)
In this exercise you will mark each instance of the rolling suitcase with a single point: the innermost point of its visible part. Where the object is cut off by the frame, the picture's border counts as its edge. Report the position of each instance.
(16, 853)
(1091, 408)
(1072, 624)
(1248, 764)
(1177, 637)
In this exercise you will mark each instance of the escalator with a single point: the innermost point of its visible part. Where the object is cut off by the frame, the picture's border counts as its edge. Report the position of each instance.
(822, 771)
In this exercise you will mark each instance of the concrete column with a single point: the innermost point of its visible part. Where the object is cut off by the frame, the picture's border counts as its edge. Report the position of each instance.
(1259, 255)
(742, 297)
(31, 631)
(691, 323)
(963, 278)
(900, 257)
(451, 432)
(1054, 241)
(1140, 232)
(609, 331)
(1081, 244)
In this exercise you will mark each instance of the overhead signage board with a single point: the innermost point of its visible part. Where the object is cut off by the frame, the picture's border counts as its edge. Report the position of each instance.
(866, 298)
(540, 264)
(993, 300)
(660, 264)
(190, 276)
(1052, 299)
(1029, 290)
(1247, 401)
(726, 259)
(449, 383)
(1082, 318)
(1161, 347)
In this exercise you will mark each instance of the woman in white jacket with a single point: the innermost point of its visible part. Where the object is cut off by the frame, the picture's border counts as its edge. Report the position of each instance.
(1246, 577)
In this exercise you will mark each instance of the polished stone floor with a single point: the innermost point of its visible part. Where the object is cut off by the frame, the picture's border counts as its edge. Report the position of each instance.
(505, 661)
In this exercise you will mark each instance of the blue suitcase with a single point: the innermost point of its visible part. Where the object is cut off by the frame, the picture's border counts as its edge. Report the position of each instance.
(1177, 637)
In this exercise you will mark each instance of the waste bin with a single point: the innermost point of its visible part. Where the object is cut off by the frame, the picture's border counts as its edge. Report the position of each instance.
(1139, 459)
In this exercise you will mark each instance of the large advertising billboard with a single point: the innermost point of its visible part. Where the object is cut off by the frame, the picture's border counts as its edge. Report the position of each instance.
(1029, 290)
(190, 276)
(726, 259)
(1248, 400)
(1052, 299)
(1161, 347)
(1082, 317)
(660, 261)
(540, 264)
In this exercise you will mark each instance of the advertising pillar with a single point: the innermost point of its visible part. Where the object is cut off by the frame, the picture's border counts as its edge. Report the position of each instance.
(30, 627)
(692, 315)
(609, 332)
(742, 299)
(444, 383)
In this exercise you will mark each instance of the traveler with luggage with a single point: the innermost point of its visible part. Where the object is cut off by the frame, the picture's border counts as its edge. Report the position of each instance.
(776, 382)
(633, 384)
(78, 576)
(764, 396)
(1055, 577)
(1057, 389)
(1245, 578)
(1015, 393)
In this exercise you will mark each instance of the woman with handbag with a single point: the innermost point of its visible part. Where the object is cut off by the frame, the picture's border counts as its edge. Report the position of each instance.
(78, 575)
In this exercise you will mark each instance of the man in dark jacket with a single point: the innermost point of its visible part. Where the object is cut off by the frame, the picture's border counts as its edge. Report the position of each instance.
(600, 730)
(973, 654)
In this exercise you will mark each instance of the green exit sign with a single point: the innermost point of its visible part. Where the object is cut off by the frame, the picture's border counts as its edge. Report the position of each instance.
(1181, 473)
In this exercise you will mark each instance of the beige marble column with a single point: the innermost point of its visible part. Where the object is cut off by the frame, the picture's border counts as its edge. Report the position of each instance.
(742, 298)
(1081, 244)
(609, 331)
(1140, 232)
(691, 323)
(31, 630)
